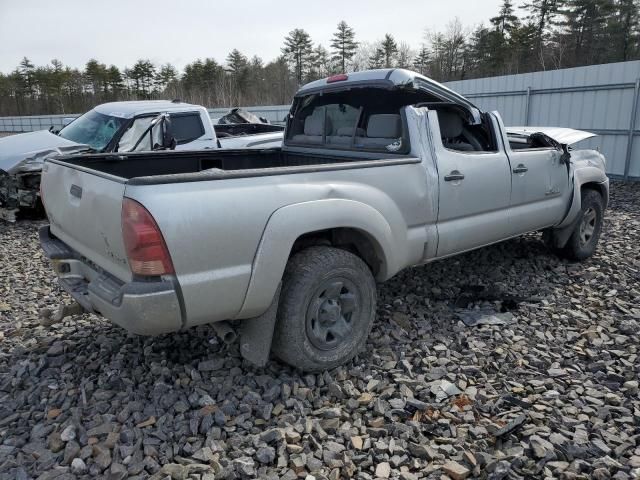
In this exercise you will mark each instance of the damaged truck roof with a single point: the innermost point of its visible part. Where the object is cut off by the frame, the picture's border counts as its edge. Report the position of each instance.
(391, 78)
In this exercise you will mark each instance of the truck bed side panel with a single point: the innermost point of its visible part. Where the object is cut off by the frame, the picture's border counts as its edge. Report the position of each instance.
(213, 228)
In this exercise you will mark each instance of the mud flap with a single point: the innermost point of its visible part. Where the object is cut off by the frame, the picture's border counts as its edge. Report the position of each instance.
(558, 237)
(256, 334)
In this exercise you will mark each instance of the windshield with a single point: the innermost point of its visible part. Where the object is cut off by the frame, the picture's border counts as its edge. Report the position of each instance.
(93, 129)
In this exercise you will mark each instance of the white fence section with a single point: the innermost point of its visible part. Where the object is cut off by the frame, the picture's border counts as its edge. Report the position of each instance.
(30, 124)
(602, 99)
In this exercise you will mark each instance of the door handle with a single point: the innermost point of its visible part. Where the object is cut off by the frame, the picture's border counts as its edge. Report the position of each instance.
(454, 176)
(76, 191)
(520, 169)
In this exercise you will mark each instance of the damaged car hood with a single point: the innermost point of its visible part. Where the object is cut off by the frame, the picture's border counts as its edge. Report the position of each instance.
(27, 151)
(564, 136)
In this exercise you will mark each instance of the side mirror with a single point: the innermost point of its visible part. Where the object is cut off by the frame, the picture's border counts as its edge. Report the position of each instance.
(566, 155)
(168, 140)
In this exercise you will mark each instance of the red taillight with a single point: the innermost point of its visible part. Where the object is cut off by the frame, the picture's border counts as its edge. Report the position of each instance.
(338, 78)
(143, 241)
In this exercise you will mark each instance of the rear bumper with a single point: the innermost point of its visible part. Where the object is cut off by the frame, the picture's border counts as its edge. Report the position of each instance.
(144, 308)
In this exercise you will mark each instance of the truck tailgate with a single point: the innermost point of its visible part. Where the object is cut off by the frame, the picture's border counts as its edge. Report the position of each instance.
(84, 211)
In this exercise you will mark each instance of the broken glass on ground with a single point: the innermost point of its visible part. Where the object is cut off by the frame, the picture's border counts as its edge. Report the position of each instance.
(473, 318)
(444, 389)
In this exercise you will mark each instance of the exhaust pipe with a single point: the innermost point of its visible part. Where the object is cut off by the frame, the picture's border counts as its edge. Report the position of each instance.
(225, 331)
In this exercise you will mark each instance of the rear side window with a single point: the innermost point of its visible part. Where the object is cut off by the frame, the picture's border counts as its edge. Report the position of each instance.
(354, 120)
(341, 116)
(186, 127)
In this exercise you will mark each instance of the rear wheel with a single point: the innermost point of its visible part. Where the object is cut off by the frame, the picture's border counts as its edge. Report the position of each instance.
(584, 239)
(326, 309)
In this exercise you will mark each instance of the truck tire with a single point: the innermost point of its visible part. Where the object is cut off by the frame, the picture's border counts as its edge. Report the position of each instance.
(326, 309)
(584, 239)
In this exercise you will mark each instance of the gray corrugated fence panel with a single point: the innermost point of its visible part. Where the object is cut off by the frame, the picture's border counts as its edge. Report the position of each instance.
(611, 73)
(598, 98)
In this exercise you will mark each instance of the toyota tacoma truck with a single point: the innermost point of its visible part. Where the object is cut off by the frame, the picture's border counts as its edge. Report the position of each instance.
(121, 127)
(379, 170)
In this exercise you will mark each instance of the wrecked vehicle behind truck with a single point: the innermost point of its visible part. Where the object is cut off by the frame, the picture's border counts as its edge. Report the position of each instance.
(120, 127)
(21, 159)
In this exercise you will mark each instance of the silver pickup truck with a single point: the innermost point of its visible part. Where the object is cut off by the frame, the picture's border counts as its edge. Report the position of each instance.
(379, 170)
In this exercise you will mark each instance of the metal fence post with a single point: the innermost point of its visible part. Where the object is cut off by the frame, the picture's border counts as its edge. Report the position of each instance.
(526, 107)
(632, 127)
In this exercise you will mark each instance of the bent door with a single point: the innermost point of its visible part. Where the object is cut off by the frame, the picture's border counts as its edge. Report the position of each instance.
(540, 186)
(475, 188)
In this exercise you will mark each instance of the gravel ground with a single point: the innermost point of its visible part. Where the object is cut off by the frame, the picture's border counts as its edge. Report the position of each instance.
(546, 387)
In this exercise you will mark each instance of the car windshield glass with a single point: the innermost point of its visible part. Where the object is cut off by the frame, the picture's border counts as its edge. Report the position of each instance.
(93, 129)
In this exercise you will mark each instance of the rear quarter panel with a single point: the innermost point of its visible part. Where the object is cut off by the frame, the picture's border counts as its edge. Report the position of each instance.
(213, 228)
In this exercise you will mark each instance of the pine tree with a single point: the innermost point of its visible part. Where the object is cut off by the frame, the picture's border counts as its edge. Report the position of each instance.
(494, 45)
(27, 70)
(523, 48)
(236, 63)
(57, 78)
(405, 55)
(344, 45)
(481, 51)
(542, 13)
(298, 50)
(96, 75)
(376, 60)
(143, 74)
(390, 49)
(506, 20)
(586, 24)
(623, 30)
(114, 81)
(165, 76)
(421, 62)
(321, 62)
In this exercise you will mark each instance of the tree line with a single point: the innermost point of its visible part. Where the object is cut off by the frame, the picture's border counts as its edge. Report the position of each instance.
(534, 35)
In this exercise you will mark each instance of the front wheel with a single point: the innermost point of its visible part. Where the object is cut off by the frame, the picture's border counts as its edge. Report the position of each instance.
(584, 239)
(326, 310)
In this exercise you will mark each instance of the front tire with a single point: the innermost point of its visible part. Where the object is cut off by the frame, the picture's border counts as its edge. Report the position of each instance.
(326, 310)
(584, 239)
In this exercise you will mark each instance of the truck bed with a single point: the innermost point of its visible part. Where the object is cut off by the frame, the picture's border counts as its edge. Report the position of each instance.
(240, 129)
(172, 166)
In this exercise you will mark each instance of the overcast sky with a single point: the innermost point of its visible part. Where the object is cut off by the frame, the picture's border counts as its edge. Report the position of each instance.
(121, 31)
